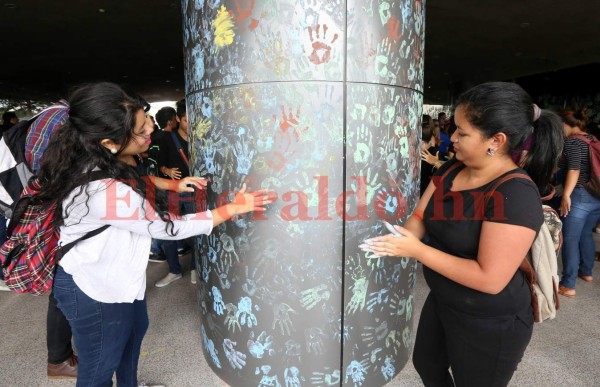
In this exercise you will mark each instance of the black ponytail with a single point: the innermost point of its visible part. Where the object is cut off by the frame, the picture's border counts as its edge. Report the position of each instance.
(542, 158)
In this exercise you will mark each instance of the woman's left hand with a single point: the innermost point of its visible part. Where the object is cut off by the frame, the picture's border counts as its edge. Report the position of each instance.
(407, 245)
(187, 184)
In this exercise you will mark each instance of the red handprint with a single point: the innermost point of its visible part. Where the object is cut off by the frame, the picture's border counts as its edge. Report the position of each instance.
(393, 27)
(321, 51)
(243, 12)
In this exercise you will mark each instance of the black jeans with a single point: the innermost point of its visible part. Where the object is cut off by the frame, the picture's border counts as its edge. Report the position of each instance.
(58, 334)
(481, 351)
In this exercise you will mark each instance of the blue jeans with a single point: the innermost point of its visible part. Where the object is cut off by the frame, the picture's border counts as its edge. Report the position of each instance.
(578, 243)
(186, 206)
(155, 246)
(108, 337)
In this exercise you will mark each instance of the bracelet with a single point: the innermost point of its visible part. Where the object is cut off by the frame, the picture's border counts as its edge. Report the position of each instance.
(418, 214)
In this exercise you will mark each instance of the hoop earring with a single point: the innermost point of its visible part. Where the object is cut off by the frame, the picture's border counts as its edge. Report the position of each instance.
(490, 152)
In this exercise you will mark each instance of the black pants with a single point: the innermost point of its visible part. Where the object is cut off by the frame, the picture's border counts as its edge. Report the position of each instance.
(480, 351)
(58, 334)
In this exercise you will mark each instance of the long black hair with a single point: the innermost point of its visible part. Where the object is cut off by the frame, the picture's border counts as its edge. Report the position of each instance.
(503, 107)
(97, 111)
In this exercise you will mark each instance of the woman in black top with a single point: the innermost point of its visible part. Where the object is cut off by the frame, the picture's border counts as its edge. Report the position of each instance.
(477, 319)
(579, 209)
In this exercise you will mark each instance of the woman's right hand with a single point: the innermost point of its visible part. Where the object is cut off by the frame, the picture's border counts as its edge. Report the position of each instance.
(173, 173)
(565, 205)
(428, 157)
(244, 202)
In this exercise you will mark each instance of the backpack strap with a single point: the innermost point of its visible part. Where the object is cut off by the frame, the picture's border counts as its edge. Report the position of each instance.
(514, 175)
(180, 149)
(525, 265)
(65, 249)
(585, 138)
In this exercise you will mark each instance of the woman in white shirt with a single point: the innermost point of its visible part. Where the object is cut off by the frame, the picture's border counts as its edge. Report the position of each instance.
(100, 283)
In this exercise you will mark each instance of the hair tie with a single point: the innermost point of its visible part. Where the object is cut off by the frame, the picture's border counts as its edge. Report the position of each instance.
(537, 112)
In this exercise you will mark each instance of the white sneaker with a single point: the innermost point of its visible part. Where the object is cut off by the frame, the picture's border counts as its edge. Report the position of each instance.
(193, 277)
(143, 384)
(167, 280)
(5, 288)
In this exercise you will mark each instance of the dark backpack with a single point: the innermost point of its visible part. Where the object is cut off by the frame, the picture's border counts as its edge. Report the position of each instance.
(593, 185)
(31, 253)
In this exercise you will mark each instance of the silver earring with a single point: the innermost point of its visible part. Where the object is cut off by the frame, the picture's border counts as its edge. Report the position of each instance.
(114, 151)
(490, 152)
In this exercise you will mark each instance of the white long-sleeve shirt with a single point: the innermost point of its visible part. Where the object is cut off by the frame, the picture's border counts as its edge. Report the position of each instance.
(111, 266)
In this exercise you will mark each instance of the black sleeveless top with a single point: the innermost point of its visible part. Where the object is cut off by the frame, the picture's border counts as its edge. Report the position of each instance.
(453, 220)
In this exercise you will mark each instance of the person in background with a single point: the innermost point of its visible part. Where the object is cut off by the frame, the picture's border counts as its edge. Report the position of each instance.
(428, 147)
(166, 118)
(9, 119)
(174, 164)
(477, 320)
(100, 284)
(578, 208)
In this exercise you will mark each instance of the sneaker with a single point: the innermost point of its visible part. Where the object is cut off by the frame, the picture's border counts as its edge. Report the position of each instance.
(193, 277)
(157, 258)
(3, 286)
(167, 280)
(143, 384)
(183, 250)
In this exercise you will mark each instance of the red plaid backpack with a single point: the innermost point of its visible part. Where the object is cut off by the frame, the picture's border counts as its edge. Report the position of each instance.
(31, 253)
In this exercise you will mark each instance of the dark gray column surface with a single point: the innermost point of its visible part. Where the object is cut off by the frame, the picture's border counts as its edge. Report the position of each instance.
(319, 102)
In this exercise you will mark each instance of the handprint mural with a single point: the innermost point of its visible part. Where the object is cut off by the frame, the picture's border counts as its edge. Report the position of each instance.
(319, 102)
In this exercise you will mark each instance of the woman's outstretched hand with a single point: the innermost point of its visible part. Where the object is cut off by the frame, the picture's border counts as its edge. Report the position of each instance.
(242, 203)
(250, 201)
(407, 245)
(187, 184)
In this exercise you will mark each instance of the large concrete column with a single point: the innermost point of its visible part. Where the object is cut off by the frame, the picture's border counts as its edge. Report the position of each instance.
(319, 101)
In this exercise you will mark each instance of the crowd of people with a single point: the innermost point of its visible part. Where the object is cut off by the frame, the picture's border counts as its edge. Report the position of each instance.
(477, 320)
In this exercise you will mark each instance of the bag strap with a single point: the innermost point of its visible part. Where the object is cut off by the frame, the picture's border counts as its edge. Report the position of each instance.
(585, 138)
(525, 265)
(65, 249)
(96, 175)
(180, 149)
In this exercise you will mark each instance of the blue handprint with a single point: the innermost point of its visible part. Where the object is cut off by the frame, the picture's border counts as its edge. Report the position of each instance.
(325, 378)
(388, 370)
(292, 378)
(266, 380)
(206, 107)
(218, 304)
(244, 313)
(236, 358)
(209, 152)
(210, 347)
(213, 248)
(357, 372)
(244, 157)
(377, 298)
(261, 346)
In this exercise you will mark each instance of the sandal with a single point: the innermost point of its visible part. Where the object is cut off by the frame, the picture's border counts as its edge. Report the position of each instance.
(586, 278)
(567, 292)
